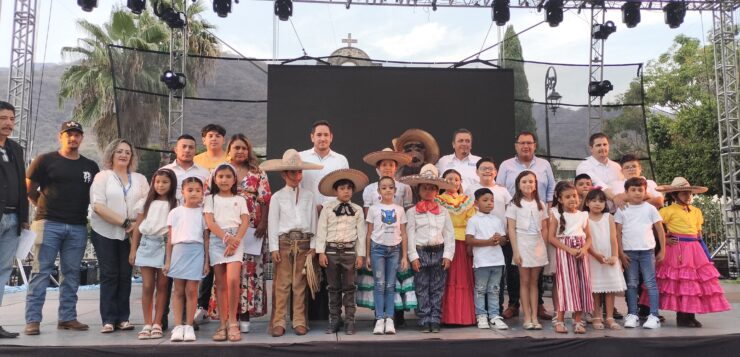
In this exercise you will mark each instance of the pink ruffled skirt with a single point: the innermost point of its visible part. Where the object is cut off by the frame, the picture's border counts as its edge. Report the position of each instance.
(688, 281)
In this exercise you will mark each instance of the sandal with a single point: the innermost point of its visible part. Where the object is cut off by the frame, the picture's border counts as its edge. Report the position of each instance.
(536, 326)
(579, 327)
(528, 326)
(107, 328)
(613, 325)
(220, 334)
(146, 332)
(156, 331)
(125, 326)
(598, 324)
(235, 334)
(560, 327)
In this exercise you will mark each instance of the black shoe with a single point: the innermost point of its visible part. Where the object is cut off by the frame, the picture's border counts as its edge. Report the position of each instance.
(425, 328)
(617, 315)
(435, 328)
(6, 334)
(643, 312)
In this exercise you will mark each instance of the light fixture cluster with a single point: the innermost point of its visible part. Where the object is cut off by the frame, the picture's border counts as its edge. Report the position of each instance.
(87, 5)
(284, 9)
(599, 89)
(501, 12)
(174, 80)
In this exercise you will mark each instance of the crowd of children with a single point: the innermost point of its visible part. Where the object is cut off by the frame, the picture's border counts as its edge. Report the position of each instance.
(441, 255)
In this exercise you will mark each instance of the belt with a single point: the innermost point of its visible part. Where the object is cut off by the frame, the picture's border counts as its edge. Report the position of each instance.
(295, 235)
(693, 238)
(431, 248)
(348, 245)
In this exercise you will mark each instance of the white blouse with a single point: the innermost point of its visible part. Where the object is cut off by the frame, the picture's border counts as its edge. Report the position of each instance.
(155, 222)
(107, 189)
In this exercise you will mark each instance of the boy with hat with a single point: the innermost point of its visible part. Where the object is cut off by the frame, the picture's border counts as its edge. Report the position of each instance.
(687, 260)
(290, 231)
(431, 245)
(340, 243)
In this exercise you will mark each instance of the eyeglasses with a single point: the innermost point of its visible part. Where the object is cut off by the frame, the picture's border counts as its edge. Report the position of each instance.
(525, 143)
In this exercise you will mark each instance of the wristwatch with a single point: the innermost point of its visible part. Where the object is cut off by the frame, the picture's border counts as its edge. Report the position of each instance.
(126, 223)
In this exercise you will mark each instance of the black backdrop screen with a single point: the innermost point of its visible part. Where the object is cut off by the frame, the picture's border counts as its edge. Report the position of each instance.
(369, 106)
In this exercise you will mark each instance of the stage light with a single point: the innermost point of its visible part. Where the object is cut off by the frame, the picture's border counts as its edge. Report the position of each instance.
(631, 13)
(173, 19)
(674, 13)
(283, 9)
(87, 5)
(599, 89)
(602, 32)
(174, 80)
(501, 12)
(554, 12)
(222, 7)
(136, 6)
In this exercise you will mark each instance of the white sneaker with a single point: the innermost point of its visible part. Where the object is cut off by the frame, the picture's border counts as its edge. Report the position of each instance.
(631, 321)
(177, 334)
(390, 328)
(244, 326)
(652, 322)
(483, 321)
(188, 333)
(497, 323)
(379, 327)
(201, 316)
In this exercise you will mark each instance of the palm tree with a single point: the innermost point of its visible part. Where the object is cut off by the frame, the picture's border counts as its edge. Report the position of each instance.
(89, 82)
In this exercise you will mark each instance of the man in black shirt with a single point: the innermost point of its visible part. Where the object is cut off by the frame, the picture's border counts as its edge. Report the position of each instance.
(58, 185)
(13, 203)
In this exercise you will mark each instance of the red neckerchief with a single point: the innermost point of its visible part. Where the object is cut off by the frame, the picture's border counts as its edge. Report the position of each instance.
(427, 206)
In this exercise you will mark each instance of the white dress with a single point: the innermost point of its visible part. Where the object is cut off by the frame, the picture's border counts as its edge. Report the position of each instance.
(605, 278)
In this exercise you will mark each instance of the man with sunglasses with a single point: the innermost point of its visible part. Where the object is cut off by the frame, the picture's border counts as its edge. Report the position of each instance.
(525, 146)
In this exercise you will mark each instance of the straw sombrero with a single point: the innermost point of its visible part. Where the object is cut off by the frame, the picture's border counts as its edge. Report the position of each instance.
(432, 148)
(681, 184)
(291, 161)
(358, 178)
(428, 174)
(374, 158)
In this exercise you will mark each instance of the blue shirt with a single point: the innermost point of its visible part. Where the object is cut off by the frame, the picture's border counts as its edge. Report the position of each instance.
(510, 169)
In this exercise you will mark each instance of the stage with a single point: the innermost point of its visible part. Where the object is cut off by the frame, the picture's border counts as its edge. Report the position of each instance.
(720, 335)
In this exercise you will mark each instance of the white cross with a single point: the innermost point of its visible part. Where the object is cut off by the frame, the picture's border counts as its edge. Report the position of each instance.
(349, 41)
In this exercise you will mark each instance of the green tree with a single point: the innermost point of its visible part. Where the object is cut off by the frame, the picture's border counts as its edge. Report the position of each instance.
(512, 50)
(626, 131)
(685, 144)
(89, 81)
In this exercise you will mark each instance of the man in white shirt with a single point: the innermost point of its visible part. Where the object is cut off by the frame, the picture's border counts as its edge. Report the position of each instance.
(321, 153)
(461, 160)
(291, 228)
(184, 166)
(601, 170)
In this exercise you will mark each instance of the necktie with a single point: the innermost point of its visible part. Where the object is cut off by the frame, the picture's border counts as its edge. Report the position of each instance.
(344, 209)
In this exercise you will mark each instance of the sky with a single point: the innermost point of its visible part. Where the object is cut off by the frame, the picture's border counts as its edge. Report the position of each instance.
(384, 32)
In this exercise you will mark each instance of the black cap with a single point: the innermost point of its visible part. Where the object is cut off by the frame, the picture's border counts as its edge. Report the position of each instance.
(71, 125)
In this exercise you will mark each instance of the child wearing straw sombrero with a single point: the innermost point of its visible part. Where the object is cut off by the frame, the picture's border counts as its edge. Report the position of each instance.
(687, 279)
(290, 231)
(340, 243)
(431, 245)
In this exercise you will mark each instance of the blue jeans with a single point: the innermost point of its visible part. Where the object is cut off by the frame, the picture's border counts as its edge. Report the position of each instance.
(641, 262)
(8, 246)
(69, 241)
(385, 260)
(487, 285)
(115, 278)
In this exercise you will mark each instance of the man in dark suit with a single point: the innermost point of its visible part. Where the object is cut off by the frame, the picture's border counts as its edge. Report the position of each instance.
(13, 202)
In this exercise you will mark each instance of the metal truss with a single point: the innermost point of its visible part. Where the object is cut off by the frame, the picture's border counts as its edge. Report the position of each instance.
(178, 59)
(691, 5)
(596, 71)
(20, 81)
(725, 66)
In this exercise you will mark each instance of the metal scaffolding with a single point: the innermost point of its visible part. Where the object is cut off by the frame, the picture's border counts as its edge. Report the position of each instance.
(596, 71)
(516, 4)
(20, 81)
(178, 59)
(725, 67)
